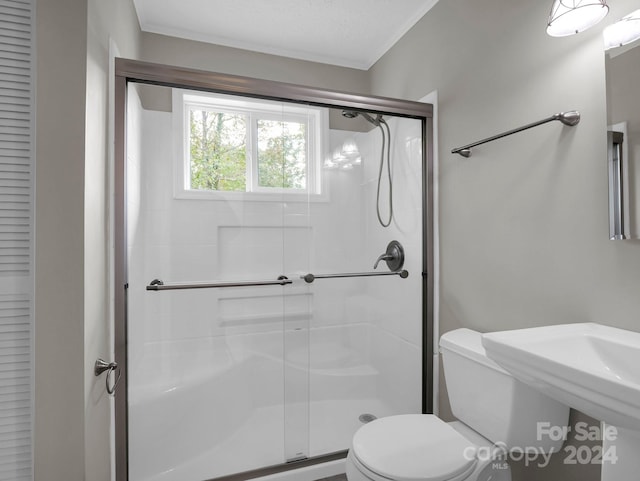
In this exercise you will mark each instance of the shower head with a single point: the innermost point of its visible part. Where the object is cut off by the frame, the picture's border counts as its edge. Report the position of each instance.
(352, 114)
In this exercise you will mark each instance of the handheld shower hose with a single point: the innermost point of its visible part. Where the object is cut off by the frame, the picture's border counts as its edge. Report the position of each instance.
(386, 144)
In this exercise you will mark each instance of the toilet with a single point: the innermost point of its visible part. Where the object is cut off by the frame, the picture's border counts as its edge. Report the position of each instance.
(497, 416)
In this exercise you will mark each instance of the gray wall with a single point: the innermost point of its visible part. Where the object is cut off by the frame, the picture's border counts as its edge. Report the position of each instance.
(72, 411)
(108, 22)
(215, 58)
(59, 274)
(524, 221)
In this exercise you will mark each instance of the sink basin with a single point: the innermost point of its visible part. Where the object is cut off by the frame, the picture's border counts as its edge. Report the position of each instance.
(590, 367)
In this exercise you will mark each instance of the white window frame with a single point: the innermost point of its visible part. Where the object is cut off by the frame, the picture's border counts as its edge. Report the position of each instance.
(316, 118)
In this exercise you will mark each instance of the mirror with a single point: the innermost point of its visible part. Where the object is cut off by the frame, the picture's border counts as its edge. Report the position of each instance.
(623, 120)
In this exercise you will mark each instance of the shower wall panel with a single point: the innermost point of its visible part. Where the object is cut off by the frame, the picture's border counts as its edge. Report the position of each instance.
(396, 315)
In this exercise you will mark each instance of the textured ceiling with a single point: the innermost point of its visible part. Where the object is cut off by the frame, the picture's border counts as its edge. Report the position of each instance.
(349, 33)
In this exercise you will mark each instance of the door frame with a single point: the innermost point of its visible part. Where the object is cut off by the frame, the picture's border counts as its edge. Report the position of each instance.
(134, 71)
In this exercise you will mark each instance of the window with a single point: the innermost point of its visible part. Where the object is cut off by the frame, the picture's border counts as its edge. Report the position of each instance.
(233, 147)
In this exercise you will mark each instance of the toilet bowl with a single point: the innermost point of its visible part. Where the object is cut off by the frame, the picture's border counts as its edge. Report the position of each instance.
(422, 447)
(495, 413)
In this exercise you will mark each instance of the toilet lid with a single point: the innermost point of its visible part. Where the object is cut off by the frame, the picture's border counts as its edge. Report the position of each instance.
(413, 447)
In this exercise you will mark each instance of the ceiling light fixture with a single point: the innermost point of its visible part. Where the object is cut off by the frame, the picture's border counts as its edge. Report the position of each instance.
(622, 32)
(569, 17)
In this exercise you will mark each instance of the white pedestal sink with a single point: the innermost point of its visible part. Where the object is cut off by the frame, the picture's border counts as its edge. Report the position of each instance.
(590, 367)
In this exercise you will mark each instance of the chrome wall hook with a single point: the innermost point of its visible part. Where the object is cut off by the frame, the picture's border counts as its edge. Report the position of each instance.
(110, 367)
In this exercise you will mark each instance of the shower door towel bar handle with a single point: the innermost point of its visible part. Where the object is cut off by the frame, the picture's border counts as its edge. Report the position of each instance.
(309, 278)
(158, 285)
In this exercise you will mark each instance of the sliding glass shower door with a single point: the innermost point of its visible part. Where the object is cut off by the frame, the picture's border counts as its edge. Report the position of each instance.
(212, 312)
(258, 331)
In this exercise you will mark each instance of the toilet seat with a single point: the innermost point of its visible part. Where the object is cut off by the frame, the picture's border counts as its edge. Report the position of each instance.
(412, 447)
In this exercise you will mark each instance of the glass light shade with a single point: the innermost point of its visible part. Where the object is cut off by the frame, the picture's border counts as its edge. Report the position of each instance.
(345, 157)
(569, 17)
(330, 164)
(622, 32)
(338, 157)
(350, 149)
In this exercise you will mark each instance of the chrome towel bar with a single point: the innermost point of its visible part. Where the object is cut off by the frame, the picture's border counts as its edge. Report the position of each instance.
(309, 278)
(570, 118)
(158, 285)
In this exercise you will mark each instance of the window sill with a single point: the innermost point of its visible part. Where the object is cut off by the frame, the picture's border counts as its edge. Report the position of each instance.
(250, 196)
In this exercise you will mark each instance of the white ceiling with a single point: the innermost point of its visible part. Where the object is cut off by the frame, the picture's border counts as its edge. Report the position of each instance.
(349, 33)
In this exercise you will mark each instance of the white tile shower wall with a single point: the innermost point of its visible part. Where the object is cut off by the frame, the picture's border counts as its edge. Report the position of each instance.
(394, 305)
(398, 311)
(399, 379)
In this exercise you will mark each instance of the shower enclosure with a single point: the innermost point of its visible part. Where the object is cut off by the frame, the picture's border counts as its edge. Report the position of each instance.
(253, 332)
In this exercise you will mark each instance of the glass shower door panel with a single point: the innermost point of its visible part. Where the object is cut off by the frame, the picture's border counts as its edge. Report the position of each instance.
(297, 302)
(294, 174)
(206, 379)
(366, 332)
(252, 320)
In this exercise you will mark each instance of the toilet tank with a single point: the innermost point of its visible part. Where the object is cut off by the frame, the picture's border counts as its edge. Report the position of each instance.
(489, 400)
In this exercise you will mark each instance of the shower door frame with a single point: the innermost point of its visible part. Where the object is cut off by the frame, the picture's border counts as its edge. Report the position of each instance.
(134, 71)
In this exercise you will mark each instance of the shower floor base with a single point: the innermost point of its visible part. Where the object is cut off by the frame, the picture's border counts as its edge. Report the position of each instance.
(259, 442)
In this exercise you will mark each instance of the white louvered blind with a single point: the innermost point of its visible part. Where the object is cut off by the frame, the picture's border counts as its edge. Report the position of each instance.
(17, 164)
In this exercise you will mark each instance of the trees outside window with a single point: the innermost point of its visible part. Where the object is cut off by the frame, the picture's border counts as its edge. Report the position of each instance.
(282, 154)
(218, 150)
